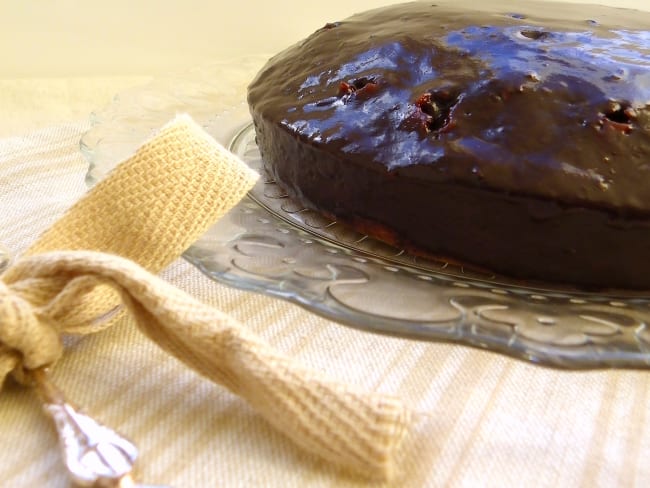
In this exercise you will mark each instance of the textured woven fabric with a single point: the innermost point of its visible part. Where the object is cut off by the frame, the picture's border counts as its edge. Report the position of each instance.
(485, 420)
(358, 431)
(154, 205)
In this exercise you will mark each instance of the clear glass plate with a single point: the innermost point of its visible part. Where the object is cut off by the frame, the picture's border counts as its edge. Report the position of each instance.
(271, 244)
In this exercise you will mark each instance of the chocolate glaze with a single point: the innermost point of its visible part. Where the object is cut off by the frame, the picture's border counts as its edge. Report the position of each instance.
(515, 137)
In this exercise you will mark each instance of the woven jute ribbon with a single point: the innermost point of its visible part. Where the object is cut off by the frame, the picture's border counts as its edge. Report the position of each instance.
(98, 261)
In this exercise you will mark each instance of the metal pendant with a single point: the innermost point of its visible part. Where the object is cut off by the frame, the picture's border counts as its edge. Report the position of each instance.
(94, 455)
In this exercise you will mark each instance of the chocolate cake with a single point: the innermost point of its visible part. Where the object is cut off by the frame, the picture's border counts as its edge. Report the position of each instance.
(513, 136)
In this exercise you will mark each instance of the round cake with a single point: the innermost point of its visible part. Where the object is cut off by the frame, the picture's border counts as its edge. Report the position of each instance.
(511, 136)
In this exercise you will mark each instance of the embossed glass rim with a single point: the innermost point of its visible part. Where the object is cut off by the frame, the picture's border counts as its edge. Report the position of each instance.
(372, 287)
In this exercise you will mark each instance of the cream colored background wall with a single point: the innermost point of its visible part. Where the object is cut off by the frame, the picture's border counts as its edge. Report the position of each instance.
(148, 37)
(113, 37)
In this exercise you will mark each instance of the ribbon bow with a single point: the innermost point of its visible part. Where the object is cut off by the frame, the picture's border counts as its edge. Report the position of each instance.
(82, 273)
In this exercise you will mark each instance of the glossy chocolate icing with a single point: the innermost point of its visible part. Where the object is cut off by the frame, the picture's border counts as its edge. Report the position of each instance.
(515, 136)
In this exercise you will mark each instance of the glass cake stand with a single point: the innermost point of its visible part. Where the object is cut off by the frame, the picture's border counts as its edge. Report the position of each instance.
(271, 244)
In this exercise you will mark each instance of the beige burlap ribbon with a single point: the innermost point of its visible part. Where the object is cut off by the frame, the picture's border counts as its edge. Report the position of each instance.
(150, 208)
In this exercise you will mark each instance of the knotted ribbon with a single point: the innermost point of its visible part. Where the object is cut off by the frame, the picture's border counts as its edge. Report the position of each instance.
(97, 262)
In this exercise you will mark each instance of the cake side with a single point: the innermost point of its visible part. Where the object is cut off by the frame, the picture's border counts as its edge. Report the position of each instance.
(508, 234)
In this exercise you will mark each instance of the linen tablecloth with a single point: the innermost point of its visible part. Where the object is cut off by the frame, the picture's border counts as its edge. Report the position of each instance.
(488, 420)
